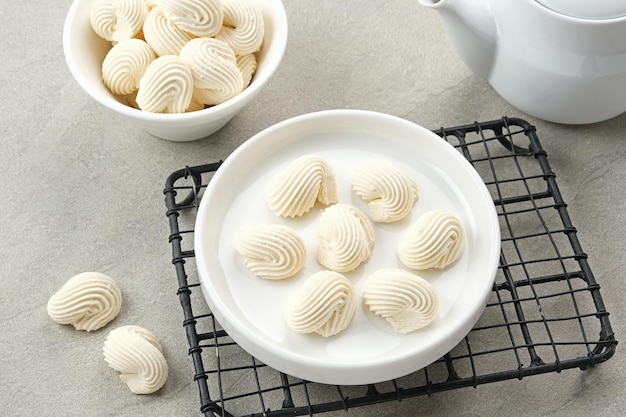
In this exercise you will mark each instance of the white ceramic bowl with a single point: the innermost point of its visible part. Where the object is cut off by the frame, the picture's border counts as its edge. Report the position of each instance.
(85, 51)
(250, 309)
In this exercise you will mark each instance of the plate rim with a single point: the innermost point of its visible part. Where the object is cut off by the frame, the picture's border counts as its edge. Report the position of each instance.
(334, 373)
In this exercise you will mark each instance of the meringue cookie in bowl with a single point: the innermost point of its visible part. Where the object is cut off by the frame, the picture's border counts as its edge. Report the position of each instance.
(390, 192)
(117, 20)
(198, 17)
(271, 251)
(136, 353)
(88, 301)
(125, 64)
(166, 86)
(435, 240)
(407, 301)
(326, 305)
(85, 51)
(243, 28)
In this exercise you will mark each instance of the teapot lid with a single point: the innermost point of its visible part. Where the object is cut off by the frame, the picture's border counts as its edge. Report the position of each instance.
(585, 9)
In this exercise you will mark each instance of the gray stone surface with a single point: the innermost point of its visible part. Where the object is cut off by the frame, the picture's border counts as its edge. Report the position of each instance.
(82, 190)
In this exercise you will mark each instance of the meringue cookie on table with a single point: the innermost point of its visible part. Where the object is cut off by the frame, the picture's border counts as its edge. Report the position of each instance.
(136, 353)
(88, 301)
(326, 305)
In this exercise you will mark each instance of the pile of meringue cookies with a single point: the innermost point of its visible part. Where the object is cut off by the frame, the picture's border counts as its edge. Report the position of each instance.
(326, 303)
(176, 56)
(91, 300)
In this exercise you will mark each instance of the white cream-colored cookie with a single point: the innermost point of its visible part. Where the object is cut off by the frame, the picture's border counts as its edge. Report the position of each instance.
(247, 65)
(407, 301)
(162, 34)
(116, 20)
(88, 301)
(136, 353)
(390, 192)
(271, 251)
(166, 86)
(326, 305)
(243, 28)
(125, 64)
(216, 76)
(346, 238)
(435, 240)
(199, 17)
(306, 180)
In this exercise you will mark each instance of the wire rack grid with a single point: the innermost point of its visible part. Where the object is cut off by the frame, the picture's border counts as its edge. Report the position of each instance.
(544, 314)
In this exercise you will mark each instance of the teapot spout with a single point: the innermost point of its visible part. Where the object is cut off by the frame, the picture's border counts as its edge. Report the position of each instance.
(471, 27)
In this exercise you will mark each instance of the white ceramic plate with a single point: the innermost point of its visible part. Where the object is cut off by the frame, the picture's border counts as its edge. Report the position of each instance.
(251, 309)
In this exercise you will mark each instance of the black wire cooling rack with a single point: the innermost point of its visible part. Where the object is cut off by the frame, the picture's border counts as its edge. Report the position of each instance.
(545, 313)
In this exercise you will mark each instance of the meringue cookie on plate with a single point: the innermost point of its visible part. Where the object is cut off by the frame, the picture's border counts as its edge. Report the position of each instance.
(407, 301)
(346, 238)
(391, 193)
(326, 305)
(435, 240)
(306, 180)
(271, 251)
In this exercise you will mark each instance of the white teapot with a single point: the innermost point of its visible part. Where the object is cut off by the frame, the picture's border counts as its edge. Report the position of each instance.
(562, 61)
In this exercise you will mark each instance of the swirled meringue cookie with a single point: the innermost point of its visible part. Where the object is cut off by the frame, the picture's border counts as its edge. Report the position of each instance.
(214, 67)
(125, 64)
(390, 191)
(346, 238)
(198, 17)
(243, 28)
(247, 65)
(271, 251)
(116, 20)
(136, 353)
(306, 180)
(435, 240)
(162, 34)
(88, 301)
(326, 305)
(405, 300)
(166, 86)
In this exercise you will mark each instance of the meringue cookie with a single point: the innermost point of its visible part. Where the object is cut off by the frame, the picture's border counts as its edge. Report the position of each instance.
(214, 68)
(166, 86)
(325, 305)
(390, 191)
(198, 17)
(247, 65)
(88, 301)
(116, 20)
(243, 27)
(271, 251)
(346, 238)
(137, 355)
(407, 301)
(125, 64)
(435, 240)
(306, 180)
(162, 34)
